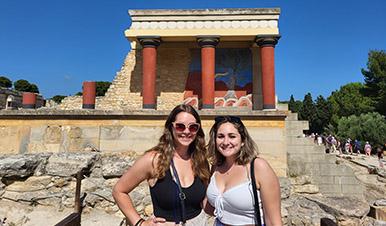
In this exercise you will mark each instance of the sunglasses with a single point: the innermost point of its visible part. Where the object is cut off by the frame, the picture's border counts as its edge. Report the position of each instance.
(192, 127)
(228, 118)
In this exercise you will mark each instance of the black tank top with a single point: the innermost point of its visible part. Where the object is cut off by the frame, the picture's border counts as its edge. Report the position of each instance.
(164, 195)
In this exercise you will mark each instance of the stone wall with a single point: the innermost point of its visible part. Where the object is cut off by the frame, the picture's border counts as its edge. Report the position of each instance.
(115, 132)
(48, 179)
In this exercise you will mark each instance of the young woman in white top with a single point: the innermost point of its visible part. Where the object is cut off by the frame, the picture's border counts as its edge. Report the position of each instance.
(230, 189)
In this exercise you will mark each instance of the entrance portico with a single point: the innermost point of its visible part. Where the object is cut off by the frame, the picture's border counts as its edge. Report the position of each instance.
(209, 31)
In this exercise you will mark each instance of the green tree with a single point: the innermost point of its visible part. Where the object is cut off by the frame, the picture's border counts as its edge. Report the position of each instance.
(349, 100)
(5, 82)
(102, 87)
(24, 86)
(308, 111)
(365, 127)
(58, 98)
(375, 79)
(33, 88)
(294, 105)
(323, 114)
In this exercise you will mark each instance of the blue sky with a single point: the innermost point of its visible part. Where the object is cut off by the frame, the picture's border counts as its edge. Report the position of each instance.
(59, 44)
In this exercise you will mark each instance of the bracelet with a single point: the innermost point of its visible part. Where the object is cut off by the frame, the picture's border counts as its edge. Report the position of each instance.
(139, 222)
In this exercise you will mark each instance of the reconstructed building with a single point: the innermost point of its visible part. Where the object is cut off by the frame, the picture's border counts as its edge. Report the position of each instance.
(208, 58)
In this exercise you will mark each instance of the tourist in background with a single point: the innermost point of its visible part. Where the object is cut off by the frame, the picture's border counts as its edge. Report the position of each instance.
(230, 188)
(181, 145)
(380, 156)
(357, 146)
(348, 147)
(367, 148)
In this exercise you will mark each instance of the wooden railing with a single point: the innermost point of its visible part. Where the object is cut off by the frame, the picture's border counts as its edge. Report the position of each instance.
(74, 218)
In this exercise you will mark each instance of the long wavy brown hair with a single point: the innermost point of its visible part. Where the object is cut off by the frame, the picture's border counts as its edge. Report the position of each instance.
(197, 150)
(247, 151)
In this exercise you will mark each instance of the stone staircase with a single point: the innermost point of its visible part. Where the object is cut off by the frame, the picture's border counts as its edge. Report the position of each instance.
(311, 168)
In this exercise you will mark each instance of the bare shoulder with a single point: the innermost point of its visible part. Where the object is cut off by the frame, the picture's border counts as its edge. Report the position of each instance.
(264, 174)
(148, 159)
(261, 164)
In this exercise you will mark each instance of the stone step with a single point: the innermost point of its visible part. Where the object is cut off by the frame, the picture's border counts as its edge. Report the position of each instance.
(299, 141)
(302, 149)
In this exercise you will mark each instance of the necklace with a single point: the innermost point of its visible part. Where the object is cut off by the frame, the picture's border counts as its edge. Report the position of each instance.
(229, 170)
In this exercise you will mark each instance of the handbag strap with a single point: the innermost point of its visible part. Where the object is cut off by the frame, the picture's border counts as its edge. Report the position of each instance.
(254, 188)
(181, 194)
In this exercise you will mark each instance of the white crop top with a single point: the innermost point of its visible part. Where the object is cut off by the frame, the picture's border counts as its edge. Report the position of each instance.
(235, 205)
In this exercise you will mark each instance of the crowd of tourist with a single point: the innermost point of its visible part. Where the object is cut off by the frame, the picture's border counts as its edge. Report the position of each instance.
(348, 146)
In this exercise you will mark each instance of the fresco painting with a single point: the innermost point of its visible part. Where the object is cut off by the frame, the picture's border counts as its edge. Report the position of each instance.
(233, 78)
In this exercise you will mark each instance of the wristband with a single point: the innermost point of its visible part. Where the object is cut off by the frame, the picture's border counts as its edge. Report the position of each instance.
(139, 222)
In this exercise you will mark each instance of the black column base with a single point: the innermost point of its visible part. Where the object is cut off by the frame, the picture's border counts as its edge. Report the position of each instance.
(207, 106)
(269, 106)
(148, 106)
(88, 106)
(29, 106)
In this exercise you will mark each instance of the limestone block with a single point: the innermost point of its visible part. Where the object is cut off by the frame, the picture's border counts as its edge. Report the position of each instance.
(32, 183)
(38, 133)
(342, 205)
(114, 145)
(111, 132)
(14, 139)
(18, 166)
(333, 169)
(285, 187)
(53, 147)
(302, 211)
(71, 102)
(307, 188)
(309, 158)
(330, 189)
(42, 197)
(91, 184)
(352, 189)
(68, 164)
(302, 149)
(167, 101)
(117, 138)
(267, 134)
(53, 135)
(301, 180)
(324, 180)
(79, 138)
(116, 165)
(346, 180)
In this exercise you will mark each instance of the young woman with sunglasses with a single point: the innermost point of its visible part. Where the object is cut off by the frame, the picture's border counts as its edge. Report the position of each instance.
(230, 189)
(182, 146)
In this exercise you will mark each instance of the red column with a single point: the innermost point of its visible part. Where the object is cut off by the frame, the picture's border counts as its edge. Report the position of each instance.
(29, 100)
(89, 93)
(267, 48)
(208, 50)
(149, 68)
